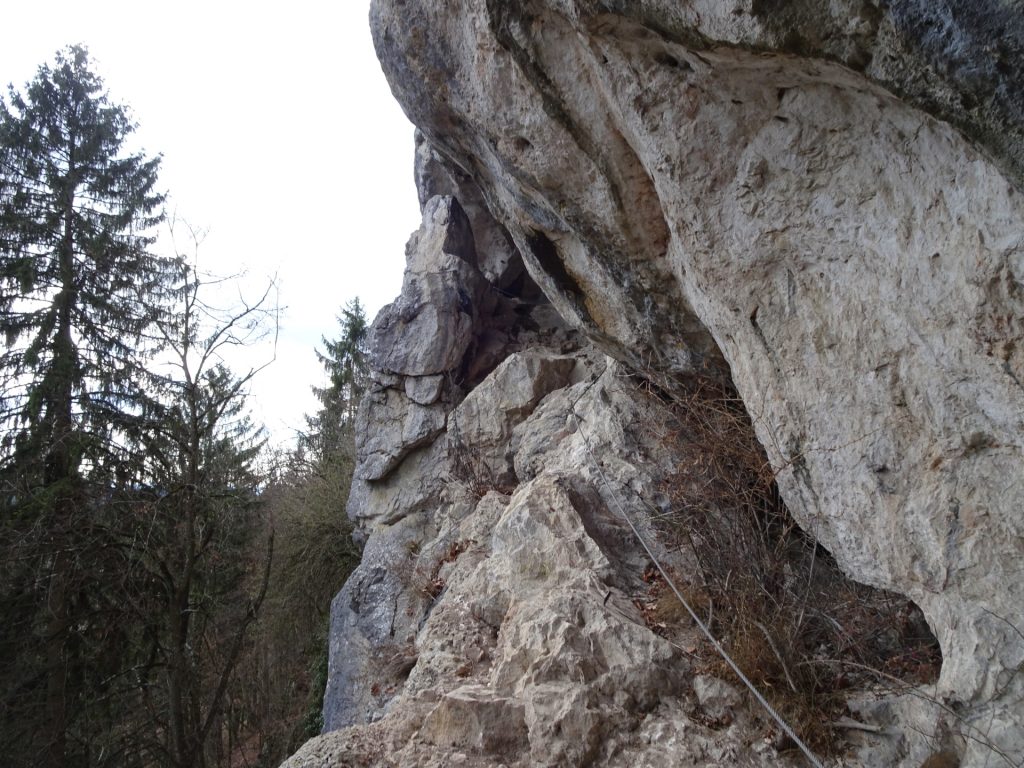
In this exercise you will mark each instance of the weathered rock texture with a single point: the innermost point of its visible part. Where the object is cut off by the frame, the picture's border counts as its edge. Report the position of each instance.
(499, 628)
(821, 200)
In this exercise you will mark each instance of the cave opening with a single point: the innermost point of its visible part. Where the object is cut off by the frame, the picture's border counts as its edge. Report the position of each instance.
(806, 634)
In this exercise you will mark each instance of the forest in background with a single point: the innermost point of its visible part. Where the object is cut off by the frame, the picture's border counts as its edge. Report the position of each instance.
(165, 578)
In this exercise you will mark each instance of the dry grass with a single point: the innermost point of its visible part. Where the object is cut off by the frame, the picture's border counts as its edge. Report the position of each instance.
(469, 468)
(389, 667)
(776, 600)
(426, 578)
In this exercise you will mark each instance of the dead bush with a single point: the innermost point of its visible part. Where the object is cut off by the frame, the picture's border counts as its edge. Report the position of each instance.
(470, 469)
(426, 578)
(776, 600)
(389, 667)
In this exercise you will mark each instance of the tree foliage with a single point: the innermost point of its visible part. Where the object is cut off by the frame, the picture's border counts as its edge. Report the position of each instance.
(78, 285)
(147, 621)
(345, 362)
(206, 576)
(314, 553)
(78, 290)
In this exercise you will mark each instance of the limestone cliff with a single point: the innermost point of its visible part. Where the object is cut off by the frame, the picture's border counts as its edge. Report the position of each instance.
(817, 203)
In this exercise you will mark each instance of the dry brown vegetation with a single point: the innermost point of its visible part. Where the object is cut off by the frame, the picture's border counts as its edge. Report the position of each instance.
(803, 632)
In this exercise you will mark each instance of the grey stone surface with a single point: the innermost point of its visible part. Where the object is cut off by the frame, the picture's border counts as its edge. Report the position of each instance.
(482, 424)
(732, 186)
(428, 329)
(530, 651)
(495, 254)
(400, 425)
(818, 198)
(424, 390)
(716, 698)
(371, 617)
(410, 488)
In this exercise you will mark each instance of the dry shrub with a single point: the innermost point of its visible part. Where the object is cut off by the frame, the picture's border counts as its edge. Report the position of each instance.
(778, 602)
(474, 474)
(389, 667)
(469, 468)
(425, 577)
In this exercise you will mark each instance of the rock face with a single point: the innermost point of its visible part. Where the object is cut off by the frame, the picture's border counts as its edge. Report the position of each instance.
(514, 609)
(819, 200)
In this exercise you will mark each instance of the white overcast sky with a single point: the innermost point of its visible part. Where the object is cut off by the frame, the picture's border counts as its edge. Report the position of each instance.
(279, 135)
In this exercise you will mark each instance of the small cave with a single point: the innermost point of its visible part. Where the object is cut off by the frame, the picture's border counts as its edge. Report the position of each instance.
(521, 144)
(516, 312)
(806, 634)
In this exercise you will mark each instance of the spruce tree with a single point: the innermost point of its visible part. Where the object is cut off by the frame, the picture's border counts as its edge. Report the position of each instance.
(345, 362)
(78, 290)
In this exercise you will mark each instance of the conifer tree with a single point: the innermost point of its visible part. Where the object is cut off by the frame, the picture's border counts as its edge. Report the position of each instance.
(344, 361)
(78, 291)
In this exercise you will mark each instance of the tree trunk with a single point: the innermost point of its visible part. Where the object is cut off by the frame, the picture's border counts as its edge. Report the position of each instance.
(60, 475)
(56, 664)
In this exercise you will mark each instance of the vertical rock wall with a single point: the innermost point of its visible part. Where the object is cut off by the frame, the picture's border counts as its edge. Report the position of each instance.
(820, 201)
(691, 185)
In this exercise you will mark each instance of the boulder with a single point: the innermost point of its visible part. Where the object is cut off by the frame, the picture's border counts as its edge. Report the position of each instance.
(486, 417)
(818, 203)
(501, 629)
(428, 329)
(400, 425)
(373, 617)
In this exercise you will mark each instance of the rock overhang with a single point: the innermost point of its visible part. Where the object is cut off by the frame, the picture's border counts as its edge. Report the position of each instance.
(767, 186)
